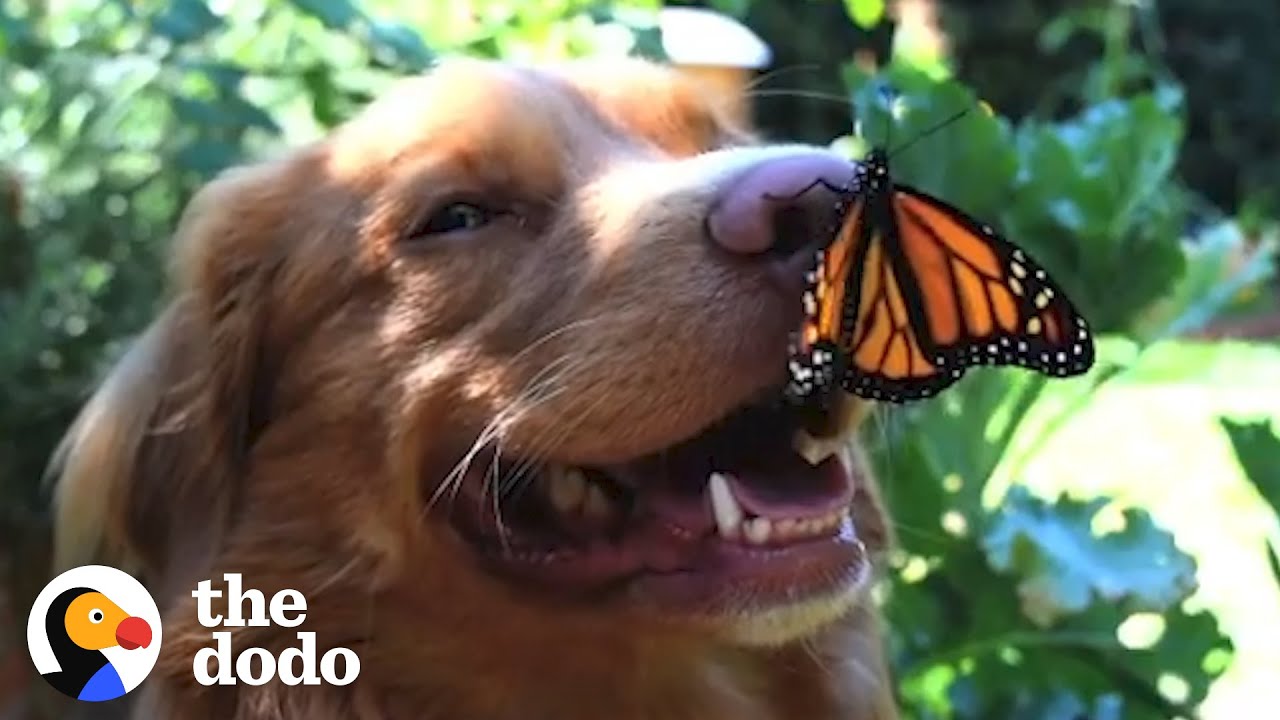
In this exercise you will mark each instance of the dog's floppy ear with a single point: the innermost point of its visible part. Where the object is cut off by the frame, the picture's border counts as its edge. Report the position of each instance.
(162, 441)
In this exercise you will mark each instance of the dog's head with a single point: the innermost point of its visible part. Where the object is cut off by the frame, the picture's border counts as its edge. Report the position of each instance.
(509, 329)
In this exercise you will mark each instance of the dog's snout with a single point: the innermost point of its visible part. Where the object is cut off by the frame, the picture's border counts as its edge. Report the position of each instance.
(780, 206)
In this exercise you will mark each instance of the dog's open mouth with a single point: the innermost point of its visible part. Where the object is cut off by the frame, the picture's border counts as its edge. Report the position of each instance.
(751, 506)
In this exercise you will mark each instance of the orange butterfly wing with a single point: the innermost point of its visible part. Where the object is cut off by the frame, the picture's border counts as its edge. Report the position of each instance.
(816, 359)
(940, 292)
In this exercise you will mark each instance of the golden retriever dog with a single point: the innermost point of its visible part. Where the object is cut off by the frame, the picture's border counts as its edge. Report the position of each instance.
(492, 375)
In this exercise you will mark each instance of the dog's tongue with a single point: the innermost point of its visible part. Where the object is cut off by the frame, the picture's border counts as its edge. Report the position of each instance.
(792, 488)
(785, 486)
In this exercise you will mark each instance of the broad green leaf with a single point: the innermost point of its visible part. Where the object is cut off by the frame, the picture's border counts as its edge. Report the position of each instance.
(207, 157)
(1257, 448)
(1064, 567)
(229, 112)
(866, 14)
(227, 76)
(318, 80)
(940, 139)
(1273, 561)
(1213, 281)
(1189, 646)
(915, 506)
(185, 21)
(1094, 201)
(401, 44)
(335, 14)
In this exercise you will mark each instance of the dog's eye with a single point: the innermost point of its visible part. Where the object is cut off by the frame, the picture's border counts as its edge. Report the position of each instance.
(453, 218)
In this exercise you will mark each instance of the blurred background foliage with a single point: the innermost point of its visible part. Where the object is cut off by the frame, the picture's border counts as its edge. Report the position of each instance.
(1104, 547)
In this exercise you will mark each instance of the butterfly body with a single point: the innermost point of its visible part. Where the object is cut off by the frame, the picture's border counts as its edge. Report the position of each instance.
(912, 291)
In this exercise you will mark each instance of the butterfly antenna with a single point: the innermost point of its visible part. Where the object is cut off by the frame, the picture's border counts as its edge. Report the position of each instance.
(931, 131)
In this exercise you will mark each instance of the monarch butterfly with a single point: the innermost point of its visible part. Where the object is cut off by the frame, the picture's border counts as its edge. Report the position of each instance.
(911, 292)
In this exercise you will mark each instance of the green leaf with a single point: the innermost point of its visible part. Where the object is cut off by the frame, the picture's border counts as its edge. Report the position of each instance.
(866, 14)
(186, 21)
(1213, 280)
(318, 80)
(1064, 567)
(916, 507)
(1096, 197)
(1189, 646)
(335, 14)
(399, 45)
(228, 112)
(1273, 560)
(207, 157)
(226, 75)
(940, 138)
(1257, 447)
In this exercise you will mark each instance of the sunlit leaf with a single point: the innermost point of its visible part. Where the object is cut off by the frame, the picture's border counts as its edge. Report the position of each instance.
(866, 14)
(1257, 448)
(1064, 566)
(335, 14)
(185, 21)
(402, 45)
(207, 157)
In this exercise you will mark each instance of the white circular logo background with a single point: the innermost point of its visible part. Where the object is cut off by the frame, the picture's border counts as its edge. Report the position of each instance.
(122, 589)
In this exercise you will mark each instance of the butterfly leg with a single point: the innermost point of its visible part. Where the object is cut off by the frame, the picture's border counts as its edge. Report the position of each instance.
(838, 189)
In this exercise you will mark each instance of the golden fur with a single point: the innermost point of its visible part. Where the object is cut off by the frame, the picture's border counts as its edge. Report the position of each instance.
(313, 366)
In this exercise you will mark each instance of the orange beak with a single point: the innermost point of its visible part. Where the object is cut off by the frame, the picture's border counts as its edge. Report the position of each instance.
(133, 633)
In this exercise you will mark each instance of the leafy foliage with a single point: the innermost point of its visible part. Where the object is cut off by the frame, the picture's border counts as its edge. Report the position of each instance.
(993, 585)
(1065, 567)
(1257, 447)
(1000, 604)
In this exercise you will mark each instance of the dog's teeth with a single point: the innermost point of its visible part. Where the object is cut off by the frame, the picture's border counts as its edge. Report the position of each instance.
(567, 488)
(596, 505)
(814, 450)
(757, 530)
(786, 528)
(724, 505)
(852, 412)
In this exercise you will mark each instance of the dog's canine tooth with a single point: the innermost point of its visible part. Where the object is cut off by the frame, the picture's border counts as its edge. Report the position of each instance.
(724, 505)
(567, 488)
(596, 505)
(815, 450)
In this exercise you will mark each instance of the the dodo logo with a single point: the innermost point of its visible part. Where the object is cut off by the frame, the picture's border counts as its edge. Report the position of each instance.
(94, 633)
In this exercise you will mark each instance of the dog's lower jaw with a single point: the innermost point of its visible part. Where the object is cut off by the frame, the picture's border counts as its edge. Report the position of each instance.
(777, 627)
